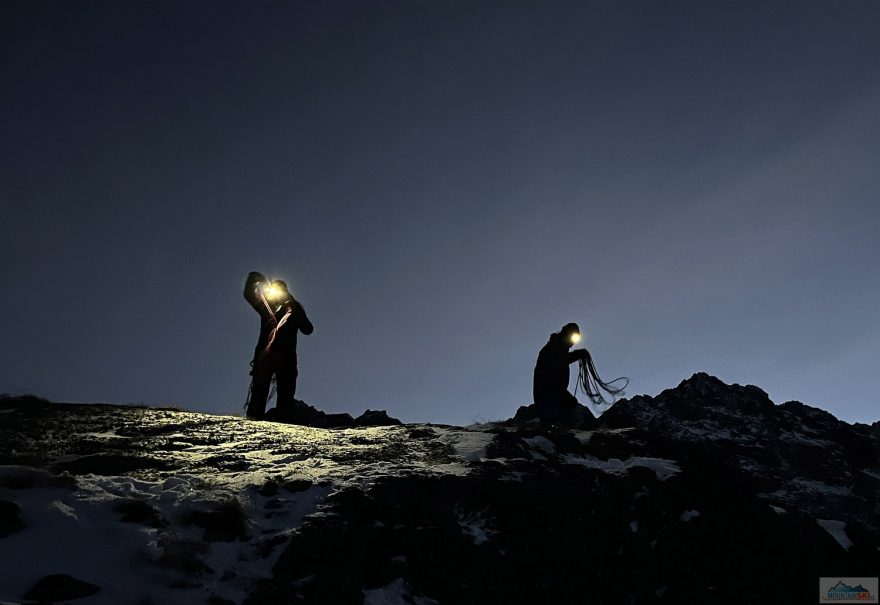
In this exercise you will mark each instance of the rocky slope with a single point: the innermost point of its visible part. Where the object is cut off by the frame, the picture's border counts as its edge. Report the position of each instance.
(707, 493)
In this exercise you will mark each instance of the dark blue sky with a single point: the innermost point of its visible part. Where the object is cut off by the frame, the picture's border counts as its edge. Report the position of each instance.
(442, 184)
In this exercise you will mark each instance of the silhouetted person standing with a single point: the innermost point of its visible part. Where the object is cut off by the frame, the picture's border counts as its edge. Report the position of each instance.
(550, 386)
(281, 318)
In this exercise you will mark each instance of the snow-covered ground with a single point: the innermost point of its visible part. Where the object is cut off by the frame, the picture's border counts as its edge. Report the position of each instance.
(77, 531)
(185, 473)
(129, 497)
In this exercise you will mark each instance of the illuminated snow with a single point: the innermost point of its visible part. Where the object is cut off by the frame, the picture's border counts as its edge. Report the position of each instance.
(198, 463)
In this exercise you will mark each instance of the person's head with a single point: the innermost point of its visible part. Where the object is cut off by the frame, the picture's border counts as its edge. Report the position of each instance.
(571, 334)
(276, 291)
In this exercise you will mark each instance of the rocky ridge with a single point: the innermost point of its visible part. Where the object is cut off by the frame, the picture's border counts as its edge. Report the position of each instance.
(707, 492)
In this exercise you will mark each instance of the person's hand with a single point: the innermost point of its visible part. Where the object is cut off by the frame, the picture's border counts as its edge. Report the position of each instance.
(581, 353)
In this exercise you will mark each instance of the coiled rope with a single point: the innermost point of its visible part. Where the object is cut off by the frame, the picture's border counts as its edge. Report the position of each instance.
(593, 386)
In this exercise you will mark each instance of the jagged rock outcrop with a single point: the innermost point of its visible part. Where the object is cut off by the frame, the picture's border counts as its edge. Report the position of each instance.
(60, 587)
(306, 415)
(10, 518)
(798, 456)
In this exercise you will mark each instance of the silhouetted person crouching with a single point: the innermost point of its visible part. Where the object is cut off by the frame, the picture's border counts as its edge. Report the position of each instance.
(553, 403)
(281, 318)
(550, 387)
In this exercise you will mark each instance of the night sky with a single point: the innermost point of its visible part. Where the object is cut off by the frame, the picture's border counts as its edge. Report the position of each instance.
(442, 185)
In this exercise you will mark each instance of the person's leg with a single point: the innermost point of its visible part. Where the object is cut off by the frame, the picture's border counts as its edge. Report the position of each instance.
(259, 390)
(286, 377)
(571, 413)
(546, 412)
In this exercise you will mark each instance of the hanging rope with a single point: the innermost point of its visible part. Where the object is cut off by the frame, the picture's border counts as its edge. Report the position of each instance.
(274, 331)
(247, 401)
(588, 379)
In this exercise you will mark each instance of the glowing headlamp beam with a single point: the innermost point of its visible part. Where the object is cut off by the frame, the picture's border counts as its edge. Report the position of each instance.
(272, 292)
(575, 338)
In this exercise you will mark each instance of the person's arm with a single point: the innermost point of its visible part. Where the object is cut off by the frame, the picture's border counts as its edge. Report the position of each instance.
(301, 319)
(251, 294)
(577, 355)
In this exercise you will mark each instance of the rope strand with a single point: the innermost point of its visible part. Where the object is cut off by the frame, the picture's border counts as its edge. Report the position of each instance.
(588, 379)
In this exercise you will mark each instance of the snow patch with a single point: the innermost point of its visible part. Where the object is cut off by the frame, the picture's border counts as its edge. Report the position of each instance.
(474, 524)
(796, 438)
(82, 530)
(104, 435)
(688, 515)
(538, 446)
(470, 445)
(837, 531)
(810, 486)
(397, 592)
(662, 468)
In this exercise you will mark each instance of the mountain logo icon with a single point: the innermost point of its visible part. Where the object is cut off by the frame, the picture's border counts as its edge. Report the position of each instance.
(848, 590)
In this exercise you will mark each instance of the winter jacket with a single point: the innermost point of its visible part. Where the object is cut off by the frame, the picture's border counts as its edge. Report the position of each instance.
(550, 385)
(287, 315)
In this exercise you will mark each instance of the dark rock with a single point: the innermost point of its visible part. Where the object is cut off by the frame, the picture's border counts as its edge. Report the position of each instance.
(809, 413)
(422, 432)
(60, 587)
(227, 462)
(323, 420)
(618, 444)
(28, 478)
(297, 485)
(526, 414)
(274, 485)
(799, 456)
(28, 399)
(223, 524)
(507, 445)
(571, 416)
(307, 415)
(139, 511)
(376, 418)
(270, 487)
(561, 533)
(185, 557)
(10, 518)
(565, 442)
(108, 464)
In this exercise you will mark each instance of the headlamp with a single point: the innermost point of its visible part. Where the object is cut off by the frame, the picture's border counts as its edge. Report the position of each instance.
(575, 338)
(272, 292)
